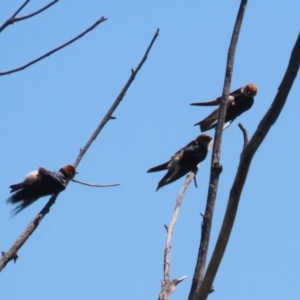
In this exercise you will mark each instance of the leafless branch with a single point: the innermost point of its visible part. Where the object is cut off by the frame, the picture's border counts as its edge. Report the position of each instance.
(245, 134)
(216, 168)
(12, 253)
(35, 13)
(108, 115)
(102, 19)
(95, 185)
(13, 20)
(167, 286)
(9, 21)
(245, 161)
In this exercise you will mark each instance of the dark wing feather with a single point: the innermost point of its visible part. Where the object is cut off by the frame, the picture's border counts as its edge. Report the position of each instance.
(208, 121)
(191, 156)
(241, 104)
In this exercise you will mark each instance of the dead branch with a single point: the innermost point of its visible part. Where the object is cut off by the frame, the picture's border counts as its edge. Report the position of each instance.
(108, 115)
(95, 185)
(8, 21)
(12, 253)
(245, 134)
(216, 168)
(102, 19)
(167, 286)
(13, 20)
(245, 161)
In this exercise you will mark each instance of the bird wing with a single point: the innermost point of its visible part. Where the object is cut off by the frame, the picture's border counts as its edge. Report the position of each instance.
(182, 162)
(209, 120)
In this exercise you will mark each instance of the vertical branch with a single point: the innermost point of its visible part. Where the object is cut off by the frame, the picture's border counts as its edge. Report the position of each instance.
(167, 286)
(245, 161)
(216, 167)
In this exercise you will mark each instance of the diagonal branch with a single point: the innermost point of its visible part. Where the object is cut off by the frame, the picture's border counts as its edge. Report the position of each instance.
(102, 19)
(10, 20)
(167, 286)
(108, 115)
(34, 13)
(13, 20)
(12, 253)
(216, 168)
(245, 161)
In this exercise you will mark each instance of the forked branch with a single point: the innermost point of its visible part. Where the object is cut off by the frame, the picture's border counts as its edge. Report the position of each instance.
(13, 18)
(245, 161)
(12, 253)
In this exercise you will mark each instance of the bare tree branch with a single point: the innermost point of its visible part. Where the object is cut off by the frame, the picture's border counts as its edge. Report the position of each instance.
(108, 115)
(246, 157)
(34, 13)
(12, 253)
(216, 168)
(102, 19)
(9, 21)
(13, 20)
(167, 286)
(245, 134)
(95, 185)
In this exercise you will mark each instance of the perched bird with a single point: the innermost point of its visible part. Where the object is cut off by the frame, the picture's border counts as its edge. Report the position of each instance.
(38, 184)
(238, 102)
(184, 160)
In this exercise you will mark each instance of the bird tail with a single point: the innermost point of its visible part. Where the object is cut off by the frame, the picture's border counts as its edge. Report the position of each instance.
(207, 123)
(16, 187)
(207, 103)
(161, 167)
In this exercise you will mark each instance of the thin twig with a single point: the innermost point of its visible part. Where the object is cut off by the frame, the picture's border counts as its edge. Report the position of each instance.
(8, 21)
(102, 19)
(96, 185)
(12, 253)
(34, 13)
(245, 134)
(246, 157)
(13, 20)
(215, 163)
(167, 286)
(108, 115)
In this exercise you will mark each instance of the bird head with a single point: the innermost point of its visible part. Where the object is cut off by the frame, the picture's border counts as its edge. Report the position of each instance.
(204, 139)
(68, 171)
(250, 90)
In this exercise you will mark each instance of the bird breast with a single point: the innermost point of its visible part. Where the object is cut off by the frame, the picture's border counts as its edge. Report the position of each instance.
(31, 177)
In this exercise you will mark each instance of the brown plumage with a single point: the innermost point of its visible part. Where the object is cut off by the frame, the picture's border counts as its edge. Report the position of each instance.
(239, 101)
(184, 160)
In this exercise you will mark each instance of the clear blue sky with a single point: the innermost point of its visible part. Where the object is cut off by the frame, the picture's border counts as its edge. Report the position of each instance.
(107, 243)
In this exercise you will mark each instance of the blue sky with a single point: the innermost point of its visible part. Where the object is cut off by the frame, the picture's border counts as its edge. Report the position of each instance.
(107, 243)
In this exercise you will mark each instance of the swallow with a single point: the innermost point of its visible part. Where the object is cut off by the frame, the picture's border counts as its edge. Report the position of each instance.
(38, 184)
(239, 101)
(184, 160)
